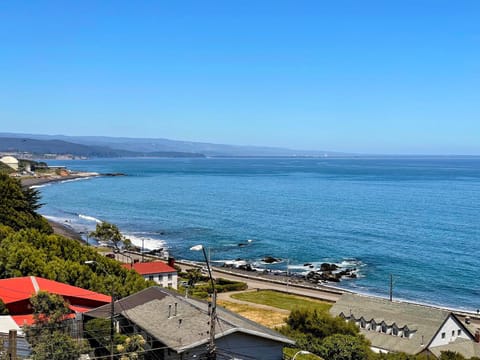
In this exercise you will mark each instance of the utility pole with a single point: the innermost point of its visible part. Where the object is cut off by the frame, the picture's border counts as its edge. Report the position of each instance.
(211, 349)
(288, 275)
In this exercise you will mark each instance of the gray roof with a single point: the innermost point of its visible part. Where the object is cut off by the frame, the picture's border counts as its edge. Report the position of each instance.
(465, 347)
(423, 321)
(153, 310)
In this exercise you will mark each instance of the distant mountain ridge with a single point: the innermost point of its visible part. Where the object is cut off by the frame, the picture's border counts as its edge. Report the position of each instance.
(160, 145)
(61, 147)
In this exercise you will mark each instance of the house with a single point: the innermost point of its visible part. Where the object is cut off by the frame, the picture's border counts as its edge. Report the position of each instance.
(175, 327)
(163, 274)
(10, 161)
(393, 326)
(16, 293)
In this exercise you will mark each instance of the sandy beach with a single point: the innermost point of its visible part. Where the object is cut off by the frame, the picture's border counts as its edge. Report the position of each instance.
(42, 180)
(58, 227)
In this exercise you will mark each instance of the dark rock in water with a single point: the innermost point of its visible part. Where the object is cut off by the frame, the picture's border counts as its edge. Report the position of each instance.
(114, 174)
(246, 267)
(328, 267)
(307, 264)
(270, 260)
(242, 245)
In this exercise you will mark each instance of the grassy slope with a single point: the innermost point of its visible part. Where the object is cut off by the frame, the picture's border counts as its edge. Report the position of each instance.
(282, 300)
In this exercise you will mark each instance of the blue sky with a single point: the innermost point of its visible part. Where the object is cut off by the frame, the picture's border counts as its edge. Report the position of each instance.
(355, 76)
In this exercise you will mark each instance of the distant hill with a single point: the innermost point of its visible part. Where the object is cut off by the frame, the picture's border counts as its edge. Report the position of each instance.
(61, 147)
(145, 146)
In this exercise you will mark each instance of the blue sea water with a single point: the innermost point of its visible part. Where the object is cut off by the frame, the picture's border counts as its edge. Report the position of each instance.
(415, 218)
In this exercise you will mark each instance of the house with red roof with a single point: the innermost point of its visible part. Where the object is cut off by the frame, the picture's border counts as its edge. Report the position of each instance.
(163, 274)
(16, 293)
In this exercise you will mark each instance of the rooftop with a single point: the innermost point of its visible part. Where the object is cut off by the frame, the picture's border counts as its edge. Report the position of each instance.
(182, 323)
(422, 321)
(148, 268)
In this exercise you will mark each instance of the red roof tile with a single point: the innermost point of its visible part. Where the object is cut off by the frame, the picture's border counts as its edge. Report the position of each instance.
(22, 288)
(148, 268)
(27, 319)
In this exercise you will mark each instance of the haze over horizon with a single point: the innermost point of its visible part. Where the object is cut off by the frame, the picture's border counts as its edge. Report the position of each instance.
(371, 77)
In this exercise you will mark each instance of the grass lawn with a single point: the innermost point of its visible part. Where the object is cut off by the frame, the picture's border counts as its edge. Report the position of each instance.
(282, 300)
(268, 318)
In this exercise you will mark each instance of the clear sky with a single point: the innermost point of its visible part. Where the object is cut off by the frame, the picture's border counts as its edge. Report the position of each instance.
(355, 76)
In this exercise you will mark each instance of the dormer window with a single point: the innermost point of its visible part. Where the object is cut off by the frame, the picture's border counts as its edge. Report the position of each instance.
(394, 330)
(384, 328)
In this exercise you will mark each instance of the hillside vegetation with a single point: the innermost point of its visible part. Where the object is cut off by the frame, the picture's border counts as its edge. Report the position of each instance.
(29, 247)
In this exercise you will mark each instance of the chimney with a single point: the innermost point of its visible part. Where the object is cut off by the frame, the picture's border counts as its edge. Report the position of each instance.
(175, 311)
(171, 261)
(477, 336)
(169, 311)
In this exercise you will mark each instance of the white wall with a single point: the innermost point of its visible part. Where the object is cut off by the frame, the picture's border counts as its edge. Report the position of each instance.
(451, 325)
(163, 279)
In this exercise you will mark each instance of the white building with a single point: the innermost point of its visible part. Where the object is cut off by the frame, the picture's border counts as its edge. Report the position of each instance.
(393, 326)
(10, 161)
(163, 274)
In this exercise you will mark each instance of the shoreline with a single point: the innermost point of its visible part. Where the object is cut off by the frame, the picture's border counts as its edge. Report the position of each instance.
(303, 286)
(64, 230)
(44, 180)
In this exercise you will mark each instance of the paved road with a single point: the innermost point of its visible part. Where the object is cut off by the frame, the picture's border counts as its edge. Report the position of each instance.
(255, 282)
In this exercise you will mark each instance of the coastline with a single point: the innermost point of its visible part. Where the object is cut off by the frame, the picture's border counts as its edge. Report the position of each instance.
(268, 278)
(290, 284)
(44, 180)
(58, 227)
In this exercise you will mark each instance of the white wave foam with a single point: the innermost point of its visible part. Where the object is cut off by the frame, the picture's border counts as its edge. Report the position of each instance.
(80, 178)
(90, 218)
(148, 243)
(38, 186)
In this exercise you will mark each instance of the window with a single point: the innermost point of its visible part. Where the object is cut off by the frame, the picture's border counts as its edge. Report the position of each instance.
(384, 328)
(443, 335)
(395, 331)
(459, 332)
(453, 333)
(169, 277)
(150, 277)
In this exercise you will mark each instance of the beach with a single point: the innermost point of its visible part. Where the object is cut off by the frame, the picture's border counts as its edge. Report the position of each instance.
(43, 180)
(381, 216)
(59, 228)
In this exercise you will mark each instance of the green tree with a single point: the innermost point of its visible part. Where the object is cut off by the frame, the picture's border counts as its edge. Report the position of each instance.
(344, 347)
(107, 232)
(132, 347)
(193, 275)
(18, 206)
(451, 355)
(319, 324)
(49, 334)
(98, 332)
(57, 346)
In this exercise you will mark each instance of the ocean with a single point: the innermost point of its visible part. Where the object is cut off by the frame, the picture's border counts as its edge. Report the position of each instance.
(416, 219)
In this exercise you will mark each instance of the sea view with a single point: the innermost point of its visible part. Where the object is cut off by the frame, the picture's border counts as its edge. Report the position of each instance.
(413, 218)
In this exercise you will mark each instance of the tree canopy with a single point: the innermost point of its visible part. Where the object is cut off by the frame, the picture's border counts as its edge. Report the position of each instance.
(18, 206)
